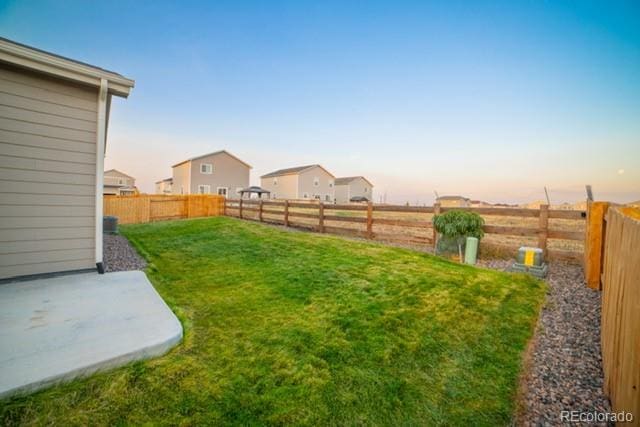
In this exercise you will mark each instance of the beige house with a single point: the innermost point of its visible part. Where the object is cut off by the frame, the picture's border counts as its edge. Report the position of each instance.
(53, 124)
(453, 202)
(165, 186)
(353, 188)
(219, 172)
(118, 183)
(311, 182)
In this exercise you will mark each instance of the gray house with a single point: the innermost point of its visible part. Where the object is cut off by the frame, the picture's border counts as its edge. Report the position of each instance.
(353, 187)
(311, 182)
(118, 183)
(164, 186)
(219, 172)
(53, 125)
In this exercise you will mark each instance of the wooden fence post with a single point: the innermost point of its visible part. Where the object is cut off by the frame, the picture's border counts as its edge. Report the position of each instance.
(434, 237)
(240, 208)
(544, 229)
(594, 243)
(370, 220)
(224, 205)
(321, 217)
(286, 213)
(260, 211)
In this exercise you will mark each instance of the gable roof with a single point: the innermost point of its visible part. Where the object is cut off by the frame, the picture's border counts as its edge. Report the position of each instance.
(213, 154)
(24, 56)
(165, 180)
(348, 179)
(294, 171)
(118, 172)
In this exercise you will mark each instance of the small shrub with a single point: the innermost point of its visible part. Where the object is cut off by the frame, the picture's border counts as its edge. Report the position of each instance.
(457, 225)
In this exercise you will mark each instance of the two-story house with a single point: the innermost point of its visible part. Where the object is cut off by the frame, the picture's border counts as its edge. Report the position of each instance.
(302, 182)
(353, 189)
(164, 186)
(118, 183)
(219, 172)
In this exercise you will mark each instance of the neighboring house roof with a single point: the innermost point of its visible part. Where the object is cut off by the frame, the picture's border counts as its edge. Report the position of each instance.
(213, 154)
(118, 172)
(41, 61)
(294, 171)
(165, 180)
(255, 189)
(348, 179)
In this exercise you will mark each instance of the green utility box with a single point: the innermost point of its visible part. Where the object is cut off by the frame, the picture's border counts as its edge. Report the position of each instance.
(530, 260)
(471, 251)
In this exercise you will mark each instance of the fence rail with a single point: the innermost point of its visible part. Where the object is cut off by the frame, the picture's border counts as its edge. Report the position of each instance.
(147, 208)
(369, 221)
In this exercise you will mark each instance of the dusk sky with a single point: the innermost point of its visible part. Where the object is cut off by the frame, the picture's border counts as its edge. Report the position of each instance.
(491, 100)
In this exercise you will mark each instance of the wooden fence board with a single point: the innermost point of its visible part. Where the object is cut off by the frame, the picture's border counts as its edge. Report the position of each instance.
(620, 327)
(146, 208)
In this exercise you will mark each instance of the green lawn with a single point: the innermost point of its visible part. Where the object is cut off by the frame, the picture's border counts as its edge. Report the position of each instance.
(297, 328)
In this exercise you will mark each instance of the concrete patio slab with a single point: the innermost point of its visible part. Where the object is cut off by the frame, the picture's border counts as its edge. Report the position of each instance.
(60, 328)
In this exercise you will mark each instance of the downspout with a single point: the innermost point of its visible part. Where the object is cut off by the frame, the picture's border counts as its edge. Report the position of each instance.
(101, 136)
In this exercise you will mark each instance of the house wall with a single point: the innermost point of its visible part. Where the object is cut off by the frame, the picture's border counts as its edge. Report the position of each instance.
(325, 188)
(47, 174)
(286, 187)
(181, 179)
(360, 187)
(117, 178)
(163, 187)
(342, 193)
(357, 187)
(227, 172)
(454, 203)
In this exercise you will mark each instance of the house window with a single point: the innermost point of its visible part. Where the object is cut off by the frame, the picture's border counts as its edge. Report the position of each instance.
(327, 198)
(305, 195)
(330, 184)
(275, 181)
(206, 168)
(120, 182)
(204, 189)
(273, 196)
(316, 181)
(222, 191)
(316, 196)
(365, 189)
(181, 189)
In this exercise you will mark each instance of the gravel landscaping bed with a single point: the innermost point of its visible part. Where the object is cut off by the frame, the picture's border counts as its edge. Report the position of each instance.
(119, 255)
(565, 366)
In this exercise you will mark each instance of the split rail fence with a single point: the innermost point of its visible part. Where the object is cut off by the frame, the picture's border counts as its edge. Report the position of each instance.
(148, 208)
(412, 224)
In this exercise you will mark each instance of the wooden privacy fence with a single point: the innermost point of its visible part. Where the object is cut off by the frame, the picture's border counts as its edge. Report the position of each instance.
(620, 333)
(147, 208)
(380, 222)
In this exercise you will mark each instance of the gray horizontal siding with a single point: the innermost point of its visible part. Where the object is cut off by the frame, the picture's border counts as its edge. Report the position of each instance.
(47, 174)
(46, 267)
(45, 245)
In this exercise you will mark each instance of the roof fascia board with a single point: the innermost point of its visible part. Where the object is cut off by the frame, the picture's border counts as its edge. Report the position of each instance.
(65, 69)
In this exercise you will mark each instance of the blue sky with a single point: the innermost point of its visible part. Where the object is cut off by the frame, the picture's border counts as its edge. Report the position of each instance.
(492, 100)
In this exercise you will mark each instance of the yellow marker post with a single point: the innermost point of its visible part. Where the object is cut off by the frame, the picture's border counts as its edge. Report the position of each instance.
(529, 257)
